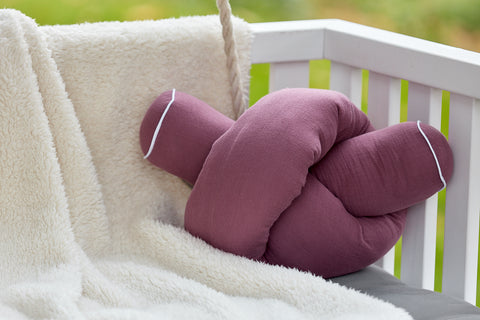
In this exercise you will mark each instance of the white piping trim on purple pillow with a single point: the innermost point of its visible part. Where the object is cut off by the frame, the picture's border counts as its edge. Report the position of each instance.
(434, 155)
(157, 129)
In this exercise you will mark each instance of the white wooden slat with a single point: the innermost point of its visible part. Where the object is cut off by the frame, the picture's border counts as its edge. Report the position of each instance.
(419, 238)
(462, 212)
(288, 41)
(418, 245)
(384, 110)
(383, 100)
(425, 104)
(289, 75)
(347, 80)
(387, 262)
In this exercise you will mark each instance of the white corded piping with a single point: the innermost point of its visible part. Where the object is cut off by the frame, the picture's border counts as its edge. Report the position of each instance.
(434, 155)
(157, 129)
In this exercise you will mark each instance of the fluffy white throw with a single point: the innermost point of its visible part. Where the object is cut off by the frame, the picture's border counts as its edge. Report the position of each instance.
(90, 230)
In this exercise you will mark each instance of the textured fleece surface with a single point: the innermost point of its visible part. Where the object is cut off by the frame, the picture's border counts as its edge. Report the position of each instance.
(90, 230)
(301, 179)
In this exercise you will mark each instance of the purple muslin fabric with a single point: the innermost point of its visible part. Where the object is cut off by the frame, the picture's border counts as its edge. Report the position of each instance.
(301, 179)
(186, 135)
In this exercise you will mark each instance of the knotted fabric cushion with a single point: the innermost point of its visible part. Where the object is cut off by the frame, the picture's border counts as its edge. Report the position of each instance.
(301, 179)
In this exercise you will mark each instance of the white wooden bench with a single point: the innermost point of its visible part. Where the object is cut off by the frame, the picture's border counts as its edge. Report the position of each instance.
(430, 68)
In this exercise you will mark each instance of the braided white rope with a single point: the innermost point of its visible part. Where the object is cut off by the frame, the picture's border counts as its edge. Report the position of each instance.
(225, 12)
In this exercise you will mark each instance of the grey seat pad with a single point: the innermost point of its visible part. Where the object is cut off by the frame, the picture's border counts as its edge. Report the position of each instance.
(421, 304)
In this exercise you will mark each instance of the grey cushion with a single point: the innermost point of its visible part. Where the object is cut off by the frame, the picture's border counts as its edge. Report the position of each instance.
(421, 304)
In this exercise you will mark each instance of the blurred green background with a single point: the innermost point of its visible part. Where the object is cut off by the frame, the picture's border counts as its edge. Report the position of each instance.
(455, 23)
(452, 22)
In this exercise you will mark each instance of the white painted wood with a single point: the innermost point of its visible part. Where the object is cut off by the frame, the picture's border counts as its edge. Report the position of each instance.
(347, 80)
(384, 110)
(289, 75)
(387, 262)
(425, 104)
(419, 244)
(399, 56)
(288, 41)
(419, 238)
(463, 200)
(383, 100)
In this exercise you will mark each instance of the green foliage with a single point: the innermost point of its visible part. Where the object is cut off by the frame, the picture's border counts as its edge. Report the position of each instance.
(465, 13)
(451, 22)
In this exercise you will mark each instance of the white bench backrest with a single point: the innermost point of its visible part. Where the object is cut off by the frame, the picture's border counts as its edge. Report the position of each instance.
(430, 68)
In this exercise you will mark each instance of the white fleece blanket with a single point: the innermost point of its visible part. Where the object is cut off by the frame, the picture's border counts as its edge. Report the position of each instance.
(88, 229)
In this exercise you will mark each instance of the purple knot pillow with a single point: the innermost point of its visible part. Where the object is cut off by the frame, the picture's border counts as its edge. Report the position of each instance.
(301, 179)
